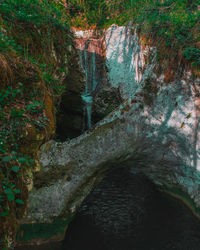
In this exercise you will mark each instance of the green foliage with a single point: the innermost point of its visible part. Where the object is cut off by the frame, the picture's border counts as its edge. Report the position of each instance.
(33, 29)
(8, 43)
(15, 113)
(35, 107)
(176, 22)
(28, 12)
(100, 13)
(34, 12)
(12, 167)
(7, 96)
(32, 35)
(192, 54)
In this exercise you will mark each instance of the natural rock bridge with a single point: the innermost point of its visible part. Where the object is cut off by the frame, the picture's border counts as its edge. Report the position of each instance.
(153, 140)
(158, 136)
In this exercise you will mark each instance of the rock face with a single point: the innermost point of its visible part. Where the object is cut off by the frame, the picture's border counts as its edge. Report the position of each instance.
(106, 100)
(124, 59)
(155, 131)
(100, 97)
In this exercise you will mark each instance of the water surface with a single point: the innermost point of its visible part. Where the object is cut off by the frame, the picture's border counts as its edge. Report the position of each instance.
(127, 212)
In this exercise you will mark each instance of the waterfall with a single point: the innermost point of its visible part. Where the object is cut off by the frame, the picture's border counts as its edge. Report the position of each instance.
(88, 63)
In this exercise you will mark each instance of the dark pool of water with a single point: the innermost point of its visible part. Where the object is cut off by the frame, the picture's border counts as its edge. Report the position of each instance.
(127, 212)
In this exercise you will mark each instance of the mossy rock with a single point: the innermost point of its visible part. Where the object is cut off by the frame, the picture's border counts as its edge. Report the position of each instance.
(43, 232)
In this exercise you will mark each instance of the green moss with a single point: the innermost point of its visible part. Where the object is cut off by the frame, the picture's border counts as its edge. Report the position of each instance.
(28, 232)
(177, 192)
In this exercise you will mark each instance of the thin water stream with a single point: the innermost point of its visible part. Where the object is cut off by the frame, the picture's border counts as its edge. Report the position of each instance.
(88, 64)
(127, 212)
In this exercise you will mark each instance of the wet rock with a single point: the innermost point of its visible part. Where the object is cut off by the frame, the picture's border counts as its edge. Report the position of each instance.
(106, 100)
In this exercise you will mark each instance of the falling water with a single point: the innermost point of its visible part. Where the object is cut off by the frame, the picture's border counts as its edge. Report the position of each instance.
(88, 63)
(88, 99)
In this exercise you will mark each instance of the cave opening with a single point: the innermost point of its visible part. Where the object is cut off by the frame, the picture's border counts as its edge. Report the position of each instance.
(127, 211)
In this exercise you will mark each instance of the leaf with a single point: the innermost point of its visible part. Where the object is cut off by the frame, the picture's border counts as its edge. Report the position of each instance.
(9, 194)
(13, 153)
(19, 201)
(15, 169)
(22, 159)
(7, 158)
(4, 213)
(17, 191)
(182, 125)
(188, 116)
(7, 191)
